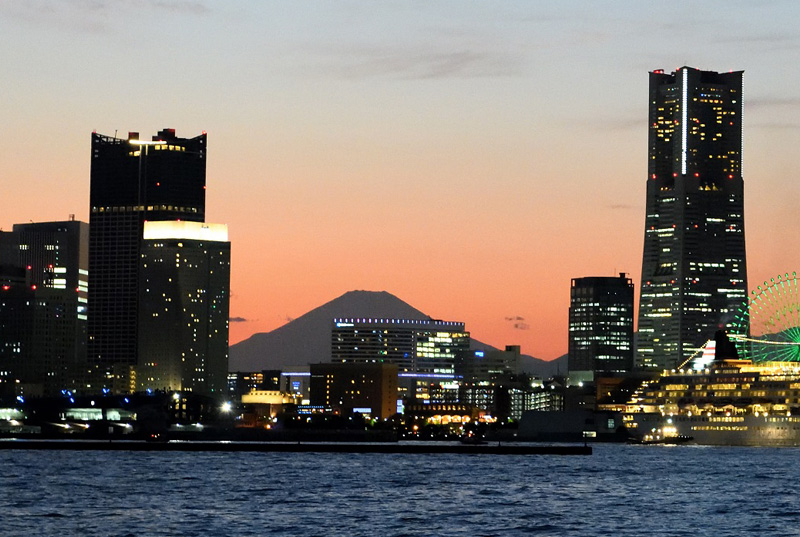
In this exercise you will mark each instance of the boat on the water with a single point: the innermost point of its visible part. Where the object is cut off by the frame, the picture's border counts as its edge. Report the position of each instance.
(722, 402)
(656, 437)
(472, 438)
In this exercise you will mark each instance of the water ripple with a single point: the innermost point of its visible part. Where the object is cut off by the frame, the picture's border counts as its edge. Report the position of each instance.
(621, 490)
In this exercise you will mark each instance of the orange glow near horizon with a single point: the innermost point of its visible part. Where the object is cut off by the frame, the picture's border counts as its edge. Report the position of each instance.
(470, 165)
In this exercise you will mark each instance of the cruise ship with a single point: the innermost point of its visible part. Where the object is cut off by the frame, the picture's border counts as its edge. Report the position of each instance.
(719, 401)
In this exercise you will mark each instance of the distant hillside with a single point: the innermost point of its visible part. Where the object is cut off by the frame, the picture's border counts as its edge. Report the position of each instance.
(307, 339)
(543, 368)
(531, 365)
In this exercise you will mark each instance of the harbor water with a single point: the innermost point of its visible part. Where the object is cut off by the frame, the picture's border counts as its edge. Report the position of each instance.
(620, 490)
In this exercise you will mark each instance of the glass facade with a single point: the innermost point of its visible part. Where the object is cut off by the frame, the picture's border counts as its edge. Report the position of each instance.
(600, 326)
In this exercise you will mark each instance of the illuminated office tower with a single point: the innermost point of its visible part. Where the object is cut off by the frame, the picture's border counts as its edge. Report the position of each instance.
(132, 180)
(600, 327)
(184, 296)
(694, 271)
(414, 345)
(43, 308)
(424, 350)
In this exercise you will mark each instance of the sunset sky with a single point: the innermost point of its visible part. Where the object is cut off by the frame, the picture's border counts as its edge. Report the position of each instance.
(470, 157)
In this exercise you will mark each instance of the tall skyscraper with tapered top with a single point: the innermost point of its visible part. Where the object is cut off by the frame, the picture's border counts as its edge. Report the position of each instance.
(132, 181)
(694, 270)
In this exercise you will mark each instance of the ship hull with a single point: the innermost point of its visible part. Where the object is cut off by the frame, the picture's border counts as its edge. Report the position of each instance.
(747, 430)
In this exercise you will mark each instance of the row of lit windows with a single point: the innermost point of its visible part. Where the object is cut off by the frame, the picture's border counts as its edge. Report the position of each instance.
(139, 208)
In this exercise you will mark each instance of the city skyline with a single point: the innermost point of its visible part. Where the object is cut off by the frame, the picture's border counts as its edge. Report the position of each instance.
(470, 161)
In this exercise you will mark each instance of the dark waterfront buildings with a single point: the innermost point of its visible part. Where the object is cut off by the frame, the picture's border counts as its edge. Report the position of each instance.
(242, 382)
(367, 388)
(490, 379)
(600, 327)
(488, 365)
(133, 180)
(44, 272)
(184, 287)
(694, 271)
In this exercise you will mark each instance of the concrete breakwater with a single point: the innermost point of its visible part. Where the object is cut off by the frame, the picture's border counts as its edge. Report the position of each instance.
(300, 447)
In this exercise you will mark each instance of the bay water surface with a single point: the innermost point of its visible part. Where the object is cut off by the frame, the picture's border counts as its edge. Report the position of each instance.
(620, 490)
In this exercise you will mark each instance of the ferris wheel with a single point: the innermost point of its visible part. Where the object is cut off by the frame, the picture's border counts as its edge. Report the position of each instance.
(767, 328)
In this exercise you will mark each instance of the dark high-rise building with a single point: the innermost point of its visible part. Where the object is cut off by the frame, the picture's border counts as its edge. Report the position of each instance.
(17, 340)
(694, 271)
(43, 307)
(133, 180)
(56, 254)
(184, 292)
(600, 327)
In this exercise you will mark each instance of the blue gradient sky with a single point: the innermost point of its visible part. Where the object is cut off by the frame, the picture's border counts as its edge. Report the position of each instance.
(469, 157)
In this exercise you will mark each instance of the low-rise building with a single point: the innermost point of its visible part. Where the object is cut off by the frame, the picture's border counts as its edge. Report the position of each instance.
(365, 388)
